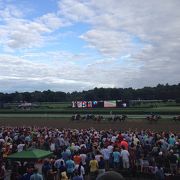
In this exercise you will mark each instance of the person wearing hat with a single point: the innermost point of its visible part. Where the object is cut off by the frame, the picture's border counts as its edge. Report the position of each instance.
(110, 175)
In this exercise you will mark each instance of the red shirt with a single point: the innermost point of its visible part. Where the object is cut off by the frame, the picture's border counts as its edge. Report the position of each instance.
(120, 138)
(125, 144)
(77, 159)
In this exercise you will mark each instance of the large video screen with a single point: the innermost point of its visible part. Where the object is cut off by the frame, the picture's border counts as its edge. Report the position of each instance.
(97, 104)
(87, 104)
(77, 104)
(100, 104)
(110, 104)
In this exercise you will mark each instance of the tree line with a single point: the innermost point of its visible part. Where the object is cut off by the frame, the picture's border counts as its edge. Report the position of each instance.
(160, 92)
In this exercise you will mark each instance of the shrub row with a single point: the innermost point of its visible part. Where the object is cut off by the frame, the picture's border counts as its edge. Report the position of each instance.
(92, 111)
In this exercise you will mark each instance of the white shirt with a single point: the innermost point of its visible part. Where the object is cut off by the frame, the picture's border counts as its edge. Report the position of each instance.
(136, 140)
(2, 140)
(57, 163)
(52, 147)
(97, 157)
(113, 139)
(105, 153)
(83, 158)
(61, 141)
(20, 147)
(125, 155)
(76, 148)
(110, 148)
(82, 145)
(82, 172)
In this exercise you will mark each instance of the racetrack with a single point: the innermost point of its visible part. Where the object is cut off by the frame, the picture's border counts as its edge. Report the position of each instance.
(49, 115)
(65, 122)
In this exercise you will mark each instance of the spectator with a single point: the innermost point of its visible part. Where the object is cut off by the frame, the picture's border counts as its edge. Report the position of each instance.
(101, 165)
(62, 168)
(28, 174)
(124, 144)
(46, 169)
(77, 158)
(106, 155)
(70, 165)
(64, 176)
(116, 158)
(173, 162)
(125, 157)
(159, 174)
(80, 170)
(93, 167)
(77, 176)
(36, 175)
(2, 171)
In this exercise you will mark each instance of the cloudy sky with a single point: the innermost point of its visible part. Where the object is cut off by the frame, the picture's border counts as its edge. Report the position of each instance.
(68, 45)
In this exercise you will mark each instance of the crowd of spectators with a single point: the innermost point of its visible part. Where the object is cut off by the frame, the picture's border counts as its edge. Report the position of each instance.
(82, 153)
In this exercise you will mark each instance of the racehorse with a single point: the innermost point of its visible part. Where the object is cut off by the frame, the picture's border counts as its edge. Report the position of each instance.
(118, 118)
(123, 117)
(98, 118)
(76, 117)
(176, 118)
(153, 118)
(90, 117)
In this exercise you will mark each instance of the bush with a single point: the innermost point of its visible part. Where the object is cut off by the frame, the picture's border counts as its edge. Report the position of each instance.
(177, 100)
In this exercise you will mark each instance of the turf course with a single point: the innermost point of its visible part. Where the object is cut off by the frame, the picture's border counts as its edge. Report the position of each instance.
(132, 116)
(103, 111)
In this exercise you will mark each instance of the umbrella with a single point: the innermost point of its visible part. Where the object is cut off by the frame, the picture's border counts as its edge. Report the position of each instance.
(34, 154)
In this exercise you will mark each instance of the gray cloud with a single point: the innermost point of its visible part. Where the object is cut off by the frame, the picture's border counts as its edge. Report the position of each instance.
(148, 30)
(21, 74)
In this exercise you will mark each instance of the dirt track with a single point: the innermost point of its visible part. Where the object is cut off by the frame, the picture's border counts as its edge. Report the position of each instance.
(162, 125)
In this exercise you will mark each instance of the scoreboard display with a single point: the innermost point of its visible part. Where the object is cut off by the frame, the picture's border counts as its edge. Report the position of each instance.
(99, 104)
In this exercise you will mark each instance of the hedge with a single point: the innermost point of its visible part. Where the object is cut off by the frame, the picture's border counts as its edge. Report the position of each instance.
(92, 111)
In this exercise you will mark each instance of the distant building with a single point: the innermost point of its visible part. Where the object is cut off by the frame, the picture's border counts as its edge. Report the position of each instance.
(26, 105)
